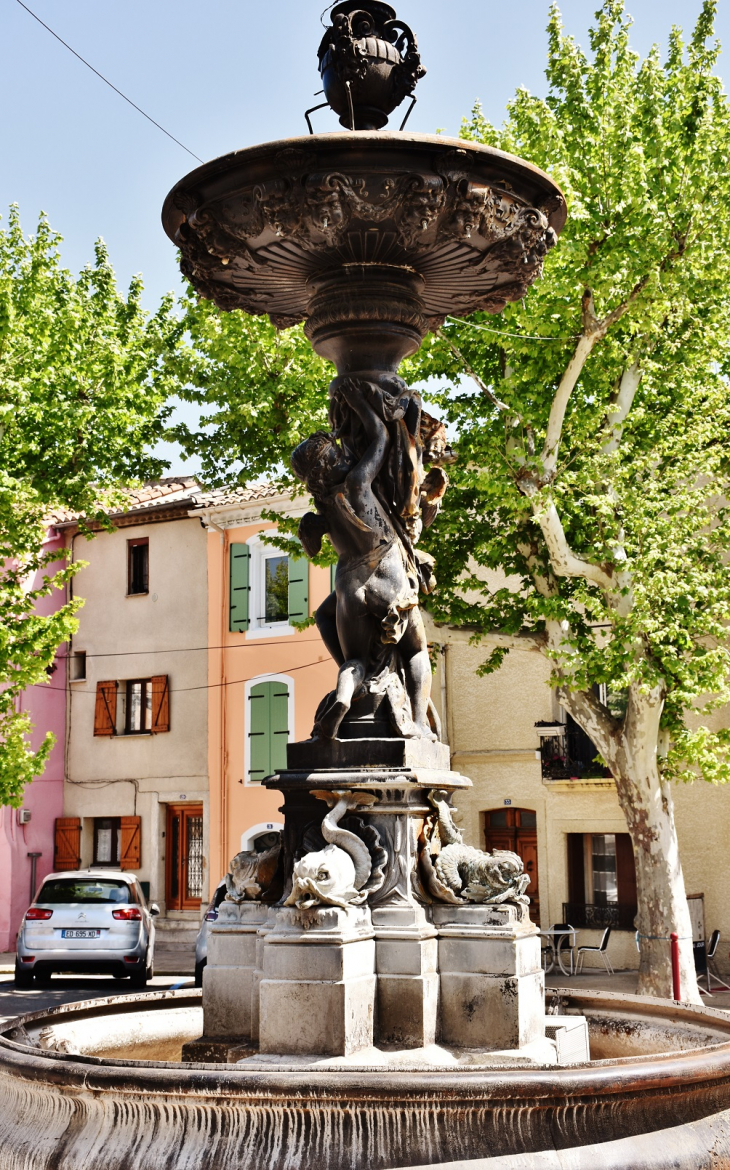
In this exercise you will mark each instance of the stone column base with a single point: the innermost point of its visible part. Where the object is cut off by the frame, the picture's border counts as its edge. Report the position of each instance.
(492, 985)
(406, 960)
(318, 990)
(229, 972)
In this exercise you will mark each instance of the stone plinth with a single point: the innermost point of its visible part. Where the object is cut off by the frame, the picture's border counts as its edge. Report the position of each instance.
(317, 994)
(406, 961)
(228, 979)
(492, 993)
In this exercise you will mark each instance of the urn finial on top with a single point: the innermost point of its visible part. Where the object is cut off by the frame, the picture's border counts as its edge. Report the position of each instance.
(369, 62)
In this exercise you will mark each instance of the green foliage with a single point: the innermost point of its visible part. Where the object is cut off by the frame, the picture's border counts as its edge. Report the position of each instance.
(262, 392)
(85, 375)
(640, 149)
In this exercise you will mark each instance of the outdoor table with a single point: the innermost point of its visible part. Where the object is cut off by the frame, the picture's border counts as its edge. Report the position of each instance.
(557, 949)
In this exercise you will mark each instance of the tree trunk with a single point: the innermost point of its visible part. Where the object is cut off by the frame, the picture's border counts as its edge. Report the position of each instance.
(630, 750)
(646, 801)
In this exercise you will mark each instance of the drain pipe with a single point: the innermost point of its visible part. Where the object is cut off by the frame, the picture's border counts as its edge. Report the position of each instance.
(676, 988)
(33, 861)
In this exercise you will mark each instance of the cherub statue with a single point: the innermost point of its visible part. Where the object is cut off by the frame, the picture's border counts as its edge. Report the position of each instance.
(374, 606)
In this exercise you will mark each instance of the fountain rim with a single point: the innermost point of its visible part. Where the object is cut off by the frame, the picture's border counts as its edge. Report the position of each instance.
(697, 1067)
(354, 140)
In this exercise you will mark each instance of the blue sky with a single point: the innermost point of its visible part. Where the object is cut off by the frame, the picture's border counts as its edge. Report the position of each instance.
(222, 75)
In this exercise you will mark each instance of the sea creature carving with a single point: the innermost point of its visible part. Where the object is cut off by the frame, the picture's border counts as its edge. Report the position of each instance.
(348, 869)
(252, 871)
(458, 873)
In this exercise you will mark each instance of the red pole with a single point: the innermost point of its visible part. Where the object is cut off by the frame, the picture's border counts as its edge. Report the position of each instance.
(676, 989)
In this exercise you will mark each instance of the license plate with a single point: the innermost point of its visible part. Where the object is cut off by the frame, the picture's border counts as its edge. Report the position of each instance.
(80, 933)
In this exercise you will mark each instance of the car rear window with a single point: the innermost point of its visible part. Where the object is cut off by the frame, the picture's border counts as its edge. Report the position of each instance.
(62, 890)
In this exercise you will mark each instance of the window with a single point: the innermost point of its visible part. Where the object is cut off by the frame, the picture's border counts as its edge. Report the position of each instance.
(138, 718)
(145, 706)
(78, 666)
(276, 589)
(269, 710)
(268, 589)
(107, 840)
(601, 881)
(603, 858)
(138, 566)
(86, 891)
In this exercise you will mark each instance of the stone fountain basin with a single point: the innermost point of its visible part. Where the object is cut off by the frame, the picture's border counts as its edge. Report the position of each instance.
(124, 1099)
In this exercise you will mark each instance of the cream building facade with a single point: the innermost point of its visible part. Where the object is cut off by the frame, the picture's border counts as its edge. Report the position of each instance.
(570, 829)
(136, 775)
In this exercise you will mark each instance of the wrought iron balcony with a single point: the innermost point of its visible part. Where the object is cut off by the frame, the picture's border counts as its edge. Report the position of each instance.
(566, 753)
(587, 916)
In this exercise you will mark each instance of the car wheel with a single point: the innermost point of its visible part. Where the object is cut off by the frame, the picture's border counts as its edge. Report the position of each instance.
(138, 980)
(23, 979)
(199, 968)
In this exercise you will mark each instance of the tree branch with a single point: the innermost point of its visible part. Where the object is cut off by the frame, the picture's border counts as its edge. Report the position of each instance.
(445, 635)
(468, 370)
(563, 560)
(595, 719)
(594, 330)
(620, 407)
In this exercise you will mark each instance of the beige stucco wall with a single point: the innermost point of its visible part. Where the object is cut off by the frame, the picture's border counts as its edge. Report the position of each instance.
(493, 740)
(162, 632)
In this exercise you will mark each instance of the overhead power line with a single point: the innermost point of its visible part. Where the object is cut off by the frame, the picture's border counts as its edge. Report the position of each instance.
(233, 682)
(108, 82)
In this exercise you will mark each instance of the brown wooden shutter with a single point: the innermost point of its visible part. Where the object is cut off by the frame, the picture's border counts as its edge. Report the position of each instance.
(67, 843)
(625, 871)
(160, 703)
(576, 869)
(105, 712)
(131, 844)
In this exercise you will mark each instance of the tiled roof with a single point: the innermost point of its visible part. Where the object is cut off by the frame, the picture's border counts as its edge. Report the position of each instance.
(238, 494)
(175, 491)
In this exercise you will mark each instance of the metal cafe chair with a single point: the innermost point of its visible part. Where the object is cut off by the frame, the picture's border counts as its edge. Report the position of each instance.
(599, 950)
(559, 943)
(710, 971)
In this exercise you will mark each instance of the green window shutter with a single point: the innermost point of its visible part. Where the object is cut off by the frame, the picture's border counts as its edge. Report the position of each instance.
(268, 719)
(259, 733)
(279, 710)
(298, 589)
(333, 573)
(240, 588)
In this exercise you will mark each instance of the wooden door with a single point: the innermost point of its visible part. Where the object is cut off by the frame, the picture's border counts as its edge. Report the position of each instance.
(516, 829)
(184, 856)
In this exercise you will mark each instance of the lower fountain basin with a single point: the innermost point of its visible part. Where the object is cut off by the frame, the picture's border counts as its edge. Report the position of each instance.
(101, 1083)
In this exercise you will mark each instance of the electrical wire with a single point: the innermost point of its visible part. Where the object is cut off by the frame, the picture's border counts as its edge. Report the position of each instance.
(504, 333)
(108, 82)
(180, 690)
(182, 649)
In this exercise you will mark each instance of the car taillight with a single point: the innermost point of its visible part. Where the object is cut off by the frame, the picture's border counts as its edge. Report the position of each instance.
(211, 916)
(128, 913)
(35, 913)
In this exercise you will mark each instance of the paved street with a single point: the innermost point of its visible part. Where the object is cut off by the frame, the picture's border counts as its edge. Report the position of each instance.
(68, 989)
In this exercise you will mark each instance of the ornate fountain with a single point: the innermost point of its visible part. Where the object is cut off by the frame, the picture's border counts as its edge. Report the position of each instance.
(373, 996)
(370, 238)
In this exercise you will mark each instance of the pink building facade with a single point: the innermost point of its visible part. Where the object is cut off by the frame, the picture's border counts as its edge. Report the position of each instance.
(43, 798)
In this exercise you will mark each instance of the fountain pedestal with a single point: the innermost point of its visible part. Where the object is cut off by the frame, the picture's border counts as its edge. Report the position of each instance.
(492, 984)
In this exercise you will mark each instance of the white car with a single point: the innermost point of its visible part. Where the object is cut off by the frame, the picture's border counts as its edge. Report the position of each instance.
(93, 921)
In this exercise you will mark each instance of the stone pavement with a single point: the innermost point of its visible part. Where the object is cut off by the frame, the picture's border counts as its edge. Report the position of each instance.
(597, 980)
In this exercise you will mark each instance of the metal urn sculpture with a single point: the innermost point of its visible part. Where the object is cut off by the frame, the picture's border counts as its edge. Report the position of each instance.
(370, 238)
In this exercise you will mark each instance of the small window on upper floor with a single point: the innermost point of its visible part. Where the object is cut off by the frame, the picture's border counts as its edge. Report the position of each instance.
(78, 666)
(138, 566)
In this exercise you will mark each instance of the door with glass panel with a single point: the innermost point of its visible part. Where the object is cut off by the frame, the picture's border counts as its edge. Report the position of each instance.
(184, 856)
